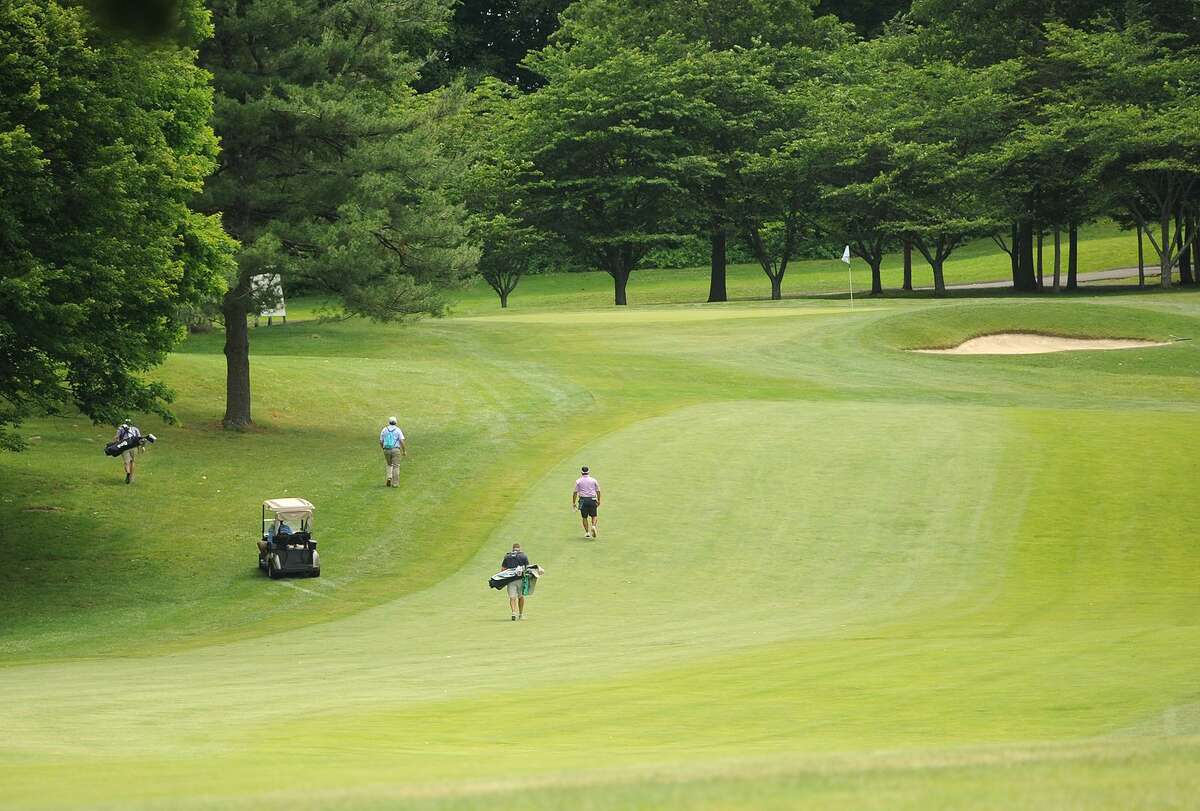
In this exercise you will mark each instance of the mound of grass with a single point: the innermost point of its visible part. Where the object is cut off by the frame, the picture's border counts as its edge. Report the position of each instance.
(950, 326)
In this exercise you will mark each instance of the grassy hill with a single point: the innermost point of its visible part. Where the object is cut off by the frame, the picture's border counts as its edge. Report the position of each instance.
(830, 573)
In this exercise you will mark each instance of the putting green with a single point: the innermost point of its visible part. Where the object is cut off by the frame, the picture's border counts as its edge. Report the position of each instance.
(829, 573)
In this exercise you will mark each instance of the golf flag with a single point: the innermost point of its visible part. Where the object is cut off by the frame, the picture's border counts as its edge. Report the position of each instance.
(849, 272)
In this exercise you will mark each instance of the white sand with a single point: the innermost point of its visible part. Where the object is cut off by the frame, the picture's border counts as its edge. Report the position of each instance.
(1019, 343)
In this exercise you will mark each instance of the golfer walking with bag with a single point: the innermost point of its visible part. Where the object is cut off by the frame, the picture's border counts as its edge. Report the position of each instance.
(391, 439)
(586, 498)
(128, 430)
(516, 600)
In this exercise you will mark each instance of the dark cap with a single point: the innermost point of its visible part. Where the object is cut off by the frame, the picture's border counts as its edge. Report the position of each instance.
(585, 468)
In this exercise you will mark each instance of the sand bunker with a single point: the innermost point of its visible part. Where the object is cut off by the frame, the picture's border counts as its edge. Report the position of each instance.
(1020, 343)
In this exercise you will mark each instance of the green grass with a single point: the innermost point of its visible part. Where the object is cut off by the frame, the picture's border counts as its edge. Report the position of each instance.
(953, 582)
(1101, 247)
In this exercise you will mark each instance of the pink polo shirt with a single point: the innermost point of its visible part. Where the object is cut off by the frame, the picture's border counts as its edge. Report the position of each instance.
(587, 487)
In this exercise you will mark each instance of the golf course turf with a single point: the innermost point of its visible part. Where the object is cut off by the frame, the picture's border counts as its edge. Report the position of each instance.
(830, 573)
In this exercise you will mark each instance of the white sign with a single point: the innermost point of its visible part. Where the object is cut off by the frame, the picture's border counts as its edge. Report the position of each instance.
(267, 288)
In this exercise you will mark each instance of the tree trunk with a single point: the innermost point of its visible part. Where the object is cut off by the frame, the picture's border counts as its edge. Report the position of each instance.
(876, 278)
(1165, 260)
(504, 300)
(1040, 277)
(939, 278)
(776, 287)
(1057, 257)
(1195, 249)
(1073, 257)
(1014, 257)
(1183, 227)
(716, 281)
(620, 279)
(235, 308)
(1026, 279)
(1141, 258)
(908, 265)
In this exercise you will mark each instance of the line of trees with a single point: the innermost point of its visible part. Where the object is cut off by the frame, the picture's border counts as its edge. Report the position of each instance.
(155, 157)
(777, 125)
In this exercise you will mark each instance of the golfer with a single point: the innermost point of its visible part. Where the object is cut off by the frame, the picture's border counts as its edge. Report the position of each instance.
(391, 439)
(516, 600)
(126, 430)
(586, 498)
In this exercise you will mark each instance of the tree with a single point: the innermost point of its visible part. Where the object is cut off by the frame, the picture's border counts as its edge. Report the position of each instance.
(607, 155)
(507, 251)
(980, 33)
(1134, 108)
(104, 143)
(852, 148)
(777, 183)
(332, 171)
(482, 133)
(713, 36)
(945, 119)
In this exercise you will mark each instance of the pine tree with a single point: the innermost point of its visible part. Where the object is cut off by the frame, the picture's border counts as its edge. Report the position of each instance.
(331, 172)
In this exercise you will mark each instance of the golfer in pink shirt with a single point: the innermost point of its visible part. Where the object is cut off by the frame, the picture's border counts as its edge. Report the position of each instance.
(586, 499)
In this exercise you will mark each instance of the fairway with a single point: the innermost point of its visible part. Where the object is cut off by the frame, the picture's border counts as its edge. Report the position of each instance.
(830, 573)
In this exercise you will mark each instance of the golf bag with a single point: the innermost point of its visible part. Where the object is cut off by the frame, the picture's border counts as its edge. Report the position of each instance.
(501, 579)
(128, 443)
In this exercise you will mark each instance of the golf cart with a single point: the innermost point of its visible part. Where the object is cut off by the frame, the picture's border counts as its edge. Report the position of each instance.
(287, 546)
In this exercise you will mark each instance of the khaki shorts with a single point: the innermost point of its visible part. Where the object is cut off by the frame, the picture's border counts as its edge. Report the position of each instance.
(127, 456)
(514, 588)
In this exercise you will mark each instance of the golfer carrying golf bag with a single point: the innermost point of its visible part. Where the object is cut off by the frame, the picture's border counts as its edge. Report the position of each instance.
(128, 430)
(516, 600)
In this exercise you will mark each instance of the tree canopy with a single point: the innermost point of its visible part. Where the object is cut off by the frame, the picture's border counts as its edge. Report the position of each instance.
(104, 144)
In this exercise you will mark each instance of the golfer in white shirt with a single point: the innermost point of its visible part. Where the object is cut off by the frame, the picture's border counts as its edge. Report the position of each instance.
(391, 439)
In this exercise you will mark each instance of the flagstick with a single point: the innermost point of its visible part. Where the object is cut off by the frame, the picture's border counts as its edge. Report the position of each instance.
(850, 271)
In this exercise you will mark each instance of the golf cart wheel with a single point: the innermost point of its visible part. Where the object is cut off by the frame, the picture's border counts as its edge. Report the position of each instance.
(272, 570)
(315, 573)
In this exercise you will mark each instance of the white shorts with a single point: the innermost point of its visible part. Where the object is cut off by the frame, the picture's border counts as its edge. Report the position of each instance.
(514, 588)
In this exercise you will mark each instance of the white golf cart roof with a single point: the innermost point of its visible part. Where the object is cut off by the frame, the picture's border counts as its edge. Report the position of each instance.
(289, 509)
(288, 505)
